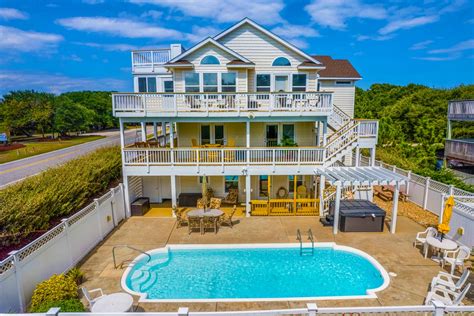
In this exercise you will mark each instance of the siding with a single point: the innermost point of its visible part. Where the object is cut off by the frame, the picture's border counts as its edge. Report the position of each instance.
(343, 95)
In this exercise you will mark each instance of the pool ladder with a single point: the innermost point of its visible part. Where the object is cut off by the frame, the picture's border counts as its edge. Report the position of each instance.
(305, 250)
(129, 247)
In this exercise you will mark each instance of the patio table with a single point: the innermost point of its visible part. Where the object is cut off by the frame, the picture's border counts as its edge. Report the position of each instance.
(446, 244)
(208, 213)
(113, 303)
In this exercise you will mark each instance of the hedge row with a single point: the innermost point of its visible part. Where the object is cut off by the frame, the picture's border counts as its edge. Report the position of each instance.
(32, 204)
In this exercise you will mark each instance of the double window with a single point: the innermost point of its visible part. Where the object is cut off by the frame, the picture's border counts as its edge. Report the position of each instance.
(263, 82)
(210, 82)
(291, 183)
(212, 134)
(146, 84)
(299, 82)
(231, 182)
(191, 81)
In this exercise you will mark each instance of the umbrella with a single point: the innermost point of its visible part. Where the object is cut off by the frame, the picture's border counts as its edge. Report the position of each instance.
(204, 191)
(444, 228)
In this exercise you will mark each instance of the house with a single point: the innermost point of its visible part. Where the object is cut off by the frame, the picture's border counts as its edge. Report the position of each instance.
(460, 151)
(249, 111)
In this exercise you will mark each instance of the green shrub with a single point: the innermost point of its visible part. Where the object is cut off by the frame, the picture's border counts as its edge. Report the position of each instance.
(76, 275)
(31, 204)
(69, 305)
(57, 288)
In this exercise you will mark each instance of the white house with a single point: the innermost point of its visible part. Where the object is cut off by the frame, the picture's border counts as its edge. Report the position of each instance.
(249, 111)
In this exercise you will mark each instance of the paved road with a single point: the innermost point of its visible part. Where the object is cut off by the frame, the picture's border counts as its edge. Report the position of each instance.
(14, 171)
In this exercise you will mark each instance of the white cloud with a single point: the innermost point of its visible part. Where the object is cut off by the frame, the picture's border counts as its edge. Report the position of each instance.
(56, 83)
(295, 31)
(361, 38)
(407, 23)
(154, 14)
(201, 32)
(119, 27)
(27, 41)
(335, 13)
(110, 47)
(73, 57)
(451, 57)
(223, 11)
(461, 46)
(12, 14)
(93, 1)
(421, 45)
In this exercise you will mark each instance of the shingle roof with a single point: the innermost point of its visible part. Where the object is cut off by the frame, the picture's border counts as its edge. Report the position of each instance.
(336, 68)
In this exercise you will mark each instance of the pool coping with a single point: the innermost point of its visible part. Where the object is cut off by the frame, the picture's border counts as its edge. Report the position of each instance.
(371, 293)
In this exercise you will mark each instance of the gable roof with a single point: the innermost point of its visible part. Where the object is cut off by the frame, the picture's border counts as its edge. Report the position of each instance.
(337, 68)
(204, 42)
(270, 34)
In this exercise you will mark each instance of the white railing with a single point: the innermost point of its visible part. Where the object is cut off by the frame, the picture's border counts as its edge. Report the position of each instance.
(461, 109)
(58, 250)
(338, 118)
(368, 128)
(150, 58)
(223, 156)
(315, 103)
(459, 149)
(345, 138)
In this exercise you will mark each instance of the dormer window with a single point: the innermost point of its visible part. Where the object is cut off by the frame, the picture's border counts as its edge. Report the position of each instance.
(210, 60)
(281, 61)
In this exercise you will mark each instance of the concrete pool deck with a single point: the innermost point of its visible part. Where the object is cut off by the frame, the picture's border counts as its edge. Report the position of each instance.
(394, 252)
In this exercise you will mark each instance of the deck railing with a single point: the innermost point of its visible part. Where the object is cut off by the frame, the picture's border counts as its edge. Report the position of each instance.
(459, 149)
(172, 104)
(150, 58)
(461, 110)
(223, 156)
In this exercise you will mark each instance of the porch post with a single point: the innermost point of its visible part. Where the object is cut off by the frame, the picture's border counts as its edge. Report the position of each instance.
(322, 183)
(247, 140)
(325, 132)
(173, 191)
(393, 225)
(143, 125)
(336, 207)
(317, 132)
(357, 154)
(171, 135)
(155, 130)
(248, 193)
(372, 156)
(163, 128)
(126, 195)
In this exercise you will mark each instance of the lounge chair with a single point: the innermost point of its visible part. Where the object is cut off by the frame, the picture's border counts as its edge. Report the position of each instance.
(451, 282)
(92, 299)
(227, 219)
(456, 257)
(215, 203)
(421, 236)
(447, 297)
(232, 197)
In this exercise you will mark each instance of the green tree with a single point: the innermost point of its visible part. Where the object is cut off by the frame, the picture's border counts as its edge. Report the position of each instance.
(70, 116)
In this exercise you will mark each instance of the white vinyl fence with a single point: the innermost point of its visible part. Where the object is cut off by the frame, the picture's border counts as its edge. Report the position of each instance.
(430, 195)
(59, 250)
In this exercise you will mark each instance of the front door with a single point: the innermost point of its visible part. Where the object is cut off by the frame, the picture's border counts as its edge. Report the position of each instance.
(271, 135)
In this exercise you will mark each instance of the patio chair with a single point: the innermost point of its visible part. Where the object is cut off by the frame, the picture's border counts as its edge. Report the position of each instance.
(194, 223)
(209, 223)
(302, 191)
(456, 257)
(215, 203)
(421, 236)
(447, 297)
(92, 299)
(200, 203)
(232, 197)
(227, 219)
(180, 219)
(451, 282)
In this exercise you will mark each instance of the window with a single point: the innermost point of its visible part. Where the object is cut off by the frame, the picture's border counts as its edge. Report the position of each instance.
(299, 82)
(205, 134)
(344, 83)
(191, 82)
(210, 60)
(202, 177)
(291, 183)
(146, 84)
(289, 131)
(168, 86)
(281, 61)
(210, 82)
(219, 134)
(263, 83)
(263, 185)
(231, 182)
(228, 82)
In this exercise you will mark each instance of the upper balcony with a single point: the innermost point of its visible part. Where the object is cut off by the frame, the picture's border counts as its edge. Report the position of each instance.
(246, 105)
(461, 110)
(152, 60)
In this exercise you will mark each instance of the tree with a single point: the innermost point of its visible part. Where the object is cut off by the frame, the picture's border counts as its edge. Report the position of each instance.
(71, 116)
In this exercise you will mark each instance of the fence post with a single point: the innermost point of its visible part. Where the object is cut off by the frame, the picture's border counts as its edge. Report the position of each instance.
(451, 190)
(427, 190)
(68, 241)
(183, 311)
(312, 309)
(439, 308)
(53, 311)
(101, 234)
(19, 280)
(408, 183)
(112, 208)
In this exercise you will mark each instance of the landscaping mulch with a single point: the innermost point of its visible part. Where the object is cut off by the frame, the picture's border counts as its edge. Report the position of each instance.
(11, 147)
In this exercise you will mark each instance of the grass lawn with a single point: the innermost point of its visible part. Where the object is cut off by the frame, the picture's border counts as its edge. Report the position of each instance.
(40, 147)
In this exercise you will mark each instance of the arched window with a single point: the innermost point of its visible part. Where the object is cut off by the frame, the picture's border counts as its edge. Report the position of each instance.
(281, 61)
(210, 60)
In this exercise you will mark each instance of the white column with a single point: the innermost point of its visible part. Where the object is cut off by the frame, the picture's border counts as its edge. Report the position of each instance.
(173, 191)
(357, 154)
(317, 133)
(247, 140)
(372, 156)
(171, 135)
(143, 125)
(155, 130)
(393, 225)
(325, 132)
(122, 133)
(248, 194)
(427, 191)
(336, 207)
(126, 194)
(322, 183)
(163, 128)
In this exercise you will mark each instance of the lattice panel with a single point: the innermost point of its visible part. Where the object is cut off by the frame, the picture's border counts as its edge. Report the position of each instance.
(418, 179)
(6, 265)
(457, 191)
(104, 197)
(40, 242)
(81, 214)
(464, 208)
(401, 171)
(438, 186)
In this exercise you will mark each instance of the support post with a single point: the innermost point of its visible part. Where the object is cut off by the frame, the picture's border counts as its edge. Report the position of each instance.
(97, 209)
(336, 207)
(53, 311)
(171, 135)
(155, 130)
(248, 193)
(163, 129)
(440, 308)
(126, 195)
(448, 136)
(427, 190)
(407, 186)
(322, 183)
(173, 191)
(357, 156)
(393, 225)
(317, 133)
(19, 280)
(68, 242)
(122, 133)
(372, 156)
(143, 127)
(247, 140)
(325, 132)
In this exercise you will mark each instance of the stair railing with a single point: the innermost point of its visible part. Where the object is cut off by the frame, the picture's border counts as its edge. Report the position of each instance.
(129, 247)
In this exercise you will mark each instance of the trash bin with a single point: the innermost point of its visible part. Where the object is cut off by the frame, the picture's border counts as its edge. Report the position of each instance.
(140, 206)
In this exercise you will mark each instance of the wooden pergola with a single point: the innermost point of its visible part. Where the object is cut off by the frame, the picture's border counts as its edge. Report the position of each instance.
(368, 176)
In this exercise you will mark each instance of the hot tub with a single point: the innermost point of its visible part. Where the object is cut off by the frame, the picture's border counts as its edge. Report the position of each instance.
(360, 216)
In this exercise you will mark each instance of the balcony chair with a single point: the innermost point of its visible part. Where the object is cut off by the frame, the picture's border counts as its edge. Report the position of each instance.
(447, 297)
(231, 142)
(301, 191)
(232, 197)
(451, 282)
(194, 143)
(421, 236)
(92, 299)
(227, 219)
(456, 257)
(215, 203)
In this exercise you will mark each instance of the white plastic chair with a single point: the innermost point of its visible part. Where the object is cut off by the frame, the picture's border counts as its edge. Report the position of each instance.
(421, 236)
(452, 282)
(456, 257)
(446, 296)
(89, 298)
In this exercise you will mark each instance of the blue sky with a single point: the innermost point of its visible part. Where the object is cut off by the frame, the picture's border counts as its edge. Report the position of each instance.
(59, 45)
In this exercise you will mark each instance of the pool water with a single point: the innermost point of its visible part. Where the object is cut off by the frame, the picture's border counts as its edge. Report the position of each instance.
(252, 273)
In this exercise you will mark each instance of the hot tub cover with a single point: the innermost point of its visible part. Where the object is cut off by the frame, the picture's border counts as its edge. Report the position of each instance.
(360, 208)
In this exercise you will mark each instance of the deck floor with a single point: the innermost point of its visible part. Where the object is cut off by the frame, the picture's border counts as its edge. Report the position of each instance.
(394, 252)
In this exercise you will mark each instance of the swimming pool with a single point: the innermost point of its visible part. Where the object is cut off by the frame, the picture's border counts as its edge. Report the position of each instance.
(250, 272)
